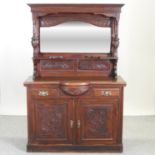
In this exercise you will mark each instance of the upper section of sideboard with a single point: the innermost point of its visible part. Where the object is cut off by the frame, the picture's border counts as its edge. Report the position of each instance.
(111, 10)
(51, 64)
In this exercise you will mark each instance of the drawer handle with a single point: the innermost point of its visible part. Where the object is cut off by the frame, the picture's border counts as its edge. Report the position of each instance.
(43, 93)
(78, 124)
(71, 123)
(106, 93)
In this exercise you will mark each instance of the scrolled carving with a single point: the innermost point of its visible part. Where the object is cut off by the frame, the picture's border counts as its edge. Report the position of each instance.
(35, 39)
(55, 19)
(57, 64)
(115, 41)
(114, 37)
(94, 65)
(35, 42)
(74, 89)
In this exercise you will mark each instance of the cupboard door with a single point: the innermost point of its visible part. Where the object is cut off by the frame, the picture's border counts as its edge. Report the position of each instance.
(97, 121)
(53, 121)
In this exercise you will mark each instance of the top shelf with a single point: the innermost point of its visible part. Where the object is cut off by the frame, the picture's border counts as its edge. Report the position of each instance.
(112, 10)
(73, 4)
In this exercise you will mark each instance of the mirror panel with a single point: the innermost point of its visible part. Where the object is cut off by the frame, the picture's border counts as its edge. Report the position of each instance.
(76, 37)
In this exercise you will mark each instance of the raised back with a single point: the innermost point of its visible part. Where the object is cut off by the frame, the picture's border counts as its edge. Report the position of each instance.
(47, 65)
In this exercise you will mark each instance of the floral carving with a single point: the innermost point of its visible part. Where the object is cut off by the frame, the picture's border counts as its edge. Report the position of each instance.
(56, 64)
(94, 65)
(96, 122)
(55, 19)
(51, 119)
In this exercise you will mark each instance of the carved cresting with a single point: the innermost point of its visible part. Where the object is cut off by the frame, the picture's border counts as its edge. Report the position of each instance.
(55, 19)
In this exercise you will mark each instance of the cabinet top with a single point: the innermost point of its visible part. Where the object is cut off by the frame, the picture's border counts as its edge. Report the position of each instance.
(32, 5)
(76, 8)
(79, 80)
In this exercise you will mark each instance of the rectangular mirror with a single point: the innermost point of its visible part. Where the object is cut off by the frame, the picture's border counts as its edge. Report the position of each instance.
(76, 37)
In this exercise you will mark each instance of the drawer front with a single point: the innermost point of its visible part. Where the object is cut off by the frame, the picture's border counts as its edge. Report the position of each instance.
(45, 92)
(48, 92)
(106, 92)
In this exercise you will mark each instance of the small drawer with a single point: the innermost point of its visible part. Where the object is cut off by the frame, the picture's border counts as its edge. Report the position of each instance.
(45, 92)
(106, 91)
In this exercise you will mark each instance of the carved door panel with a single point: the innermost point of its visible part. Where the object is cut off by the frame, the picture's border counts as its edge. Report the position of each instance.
(97, 121)
(53, 121)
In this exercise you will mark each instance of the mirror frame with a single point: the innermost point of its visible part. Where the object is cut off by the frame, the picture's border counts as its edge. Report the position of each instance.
(72, 37)
(99, 20)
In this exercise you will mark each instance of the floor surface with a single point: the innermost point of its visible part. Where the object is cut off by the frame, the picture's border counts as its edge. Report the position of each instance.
(138, 137)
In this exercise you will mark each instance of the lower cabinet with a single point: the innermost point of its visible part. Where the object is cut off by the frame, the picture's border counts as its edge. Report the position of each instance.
(84, 121)
(86, 118)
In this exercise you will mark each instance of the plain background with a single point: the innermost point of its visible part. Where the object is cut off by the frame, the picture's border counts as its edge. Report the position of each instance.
(136, 54)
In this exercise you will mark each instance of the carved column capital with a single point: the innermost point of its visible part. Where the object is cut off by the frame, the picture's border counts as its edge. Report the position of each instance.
(35, 42)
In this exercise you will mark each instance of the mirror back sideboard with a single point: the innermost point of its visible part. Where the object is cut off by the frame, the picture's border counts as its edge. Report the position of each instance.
(75, 98)
(68, 64)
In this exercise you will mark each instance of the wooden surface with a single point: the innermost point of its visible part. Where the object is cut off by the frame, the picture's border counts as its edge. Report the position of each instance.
(75, 115)
(91, 80)
(75, 64)
(112, 9)
(75, 100)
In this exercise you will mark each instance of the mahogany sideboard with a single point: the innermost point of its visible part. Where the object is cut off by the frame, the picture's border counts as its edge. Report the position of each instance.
(75, 100)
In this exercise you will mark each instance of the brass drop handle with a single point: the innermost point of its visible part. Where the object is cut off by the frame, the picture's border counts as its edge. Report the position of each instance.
(78, 123)
(43, 93)
(71, 123)
(106, 93)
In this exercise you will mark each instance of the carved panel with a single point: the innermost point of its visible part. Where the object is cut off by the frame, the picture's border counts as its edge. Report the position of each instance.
(51, 120)
(55, 19)
(97, 121)
(56, 64)
(102, 65)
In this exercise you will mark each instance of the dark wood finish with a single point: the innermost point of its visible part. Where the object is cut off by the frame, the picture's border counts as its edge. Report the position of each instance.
(52, 121)
(74, 64)
(75, 100)
(75, 114)
(97, 120)
(74, 89)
